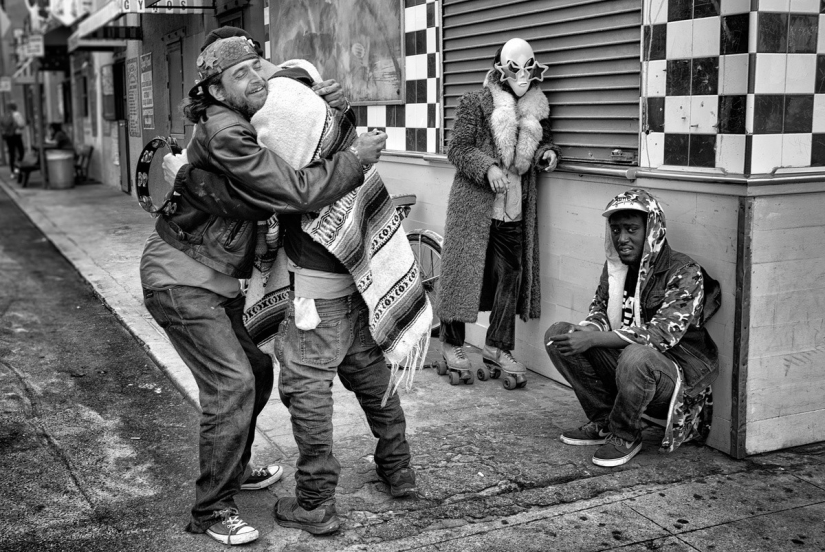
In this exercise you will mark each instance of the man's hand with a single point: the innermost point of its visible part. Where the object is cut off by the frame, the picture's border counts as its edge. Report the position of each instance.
(576, 341)
(498, 179)
(551, 159)
(332, 93)
(369, 146)
(172, 164)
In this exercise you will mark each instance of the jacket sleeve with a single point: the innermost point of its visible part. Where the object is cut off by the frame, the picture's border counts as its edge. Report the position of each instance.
(259, 183)
(546, 144)
(597, 315)
(682, 306)
(464, 152)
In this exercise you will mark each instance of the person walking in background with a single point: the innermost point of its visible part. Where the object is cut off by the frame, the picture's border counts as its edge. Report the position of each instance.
(643, 348)
(490, 261)
(12, 125)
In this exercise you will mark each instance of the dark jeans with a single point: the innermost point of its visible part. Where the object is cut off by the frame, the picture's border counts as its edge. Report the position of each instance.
(14, 144)
(616, 386)
(500, 288)
(234, 380)
(341, 343)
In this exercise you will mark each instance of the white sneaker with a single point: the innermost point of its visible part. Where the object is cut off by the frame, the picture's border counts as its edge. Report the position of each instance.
(231, 529)
(262, 478)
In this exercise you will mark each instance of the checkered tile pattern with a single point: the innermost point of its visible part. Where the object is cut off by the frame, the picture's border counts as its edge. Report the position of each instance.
(415, 125)
(733, 84)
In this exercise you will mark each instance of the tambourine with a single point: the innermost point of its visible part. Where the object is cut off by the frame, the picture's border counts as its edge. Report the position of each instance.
(149, 180)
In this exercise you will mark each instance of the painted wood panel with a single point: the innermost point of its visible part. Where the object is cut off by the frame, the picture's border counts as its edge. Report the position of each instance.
(786, 379)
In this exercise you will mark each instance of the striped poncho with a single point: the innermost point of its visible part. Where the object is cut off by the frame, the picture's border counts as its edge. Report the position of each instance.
(362, 230)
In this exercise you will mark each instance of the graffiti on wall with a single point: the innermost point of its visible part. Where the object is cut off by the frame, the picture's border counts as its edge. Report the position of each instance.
(356, 42)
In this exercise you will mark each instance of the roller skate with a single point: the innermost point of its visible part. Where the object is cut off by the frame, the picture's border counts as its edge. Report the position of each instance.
(497, 362)
(455, 362)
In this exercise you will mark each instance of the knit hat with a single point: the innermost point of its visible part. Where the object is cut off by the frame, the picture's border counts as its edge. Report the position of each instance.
(220, 55)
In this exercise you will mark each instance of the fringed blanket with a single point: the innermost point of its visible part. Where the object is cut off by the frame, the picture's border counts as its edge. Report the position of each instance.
(362, 230)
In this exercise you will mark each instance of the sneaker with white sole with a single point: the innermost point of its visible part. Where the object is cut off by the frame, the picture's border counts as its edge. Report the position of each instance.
(616, 451)
(231, 529)
(261, 478)
(590, 433)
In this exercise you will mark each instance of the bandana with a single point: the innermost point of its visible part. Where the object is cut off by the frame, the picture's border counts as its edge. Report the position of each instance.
(221, 55)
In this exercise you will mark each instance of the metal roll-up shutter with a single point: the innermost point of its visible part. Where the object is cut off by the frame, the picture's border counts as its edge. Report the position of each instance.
(591, 48)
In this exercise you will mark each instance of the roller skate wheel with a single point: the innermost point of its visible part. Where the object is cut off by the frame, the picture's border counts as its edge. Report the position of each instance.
(483, 373)
(455, 378)
(441, 367)
(467, 377)
(509, 382)
(521, 381)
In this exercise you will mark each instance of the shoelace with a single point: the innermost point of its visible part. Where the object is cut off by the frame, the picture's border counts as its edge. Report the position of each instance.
(233, 522)
(260, 472)
(459, 353)
(507, 355)
(591, 425)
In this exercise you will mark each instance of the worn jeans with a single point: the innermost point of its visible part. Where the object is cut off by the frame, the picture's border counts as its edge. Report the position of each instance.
(500, 288)
(340, 344)
(234, 381)
(616, 386)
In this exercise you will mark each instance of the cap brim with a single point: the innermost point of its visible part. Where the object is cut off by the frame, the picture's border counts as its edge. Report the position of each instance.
(616, 209)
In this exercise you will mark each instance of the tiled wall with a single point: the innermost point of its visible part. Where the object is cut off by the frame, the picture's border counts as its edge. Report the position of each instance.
(732, 84)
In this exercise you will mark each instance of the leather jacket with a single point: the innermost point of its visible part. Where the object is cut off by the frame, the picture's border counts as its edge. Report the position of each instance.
(215, 217)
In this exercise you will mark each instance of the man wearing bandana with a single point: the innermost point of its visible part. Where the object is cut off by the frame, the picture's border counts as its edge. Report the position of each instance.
(490, 261)
(192, 263)
(643, 348)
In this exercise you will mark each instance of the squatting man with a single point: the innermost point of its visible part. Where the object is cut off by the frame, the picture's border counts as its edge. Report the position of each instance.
(643, 348)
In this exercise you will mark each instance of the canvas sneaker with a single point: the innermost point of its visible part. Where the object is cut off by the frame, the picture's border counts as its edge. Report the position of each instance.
(401, 483)
(590, 433)
(616, 451)
(261, 478)
(323, 520)
(231, 529)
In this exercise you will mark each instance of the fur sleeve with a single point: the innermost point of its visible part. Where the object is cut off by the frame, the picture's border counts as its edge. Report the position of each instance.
(464, 153)
(546, 143)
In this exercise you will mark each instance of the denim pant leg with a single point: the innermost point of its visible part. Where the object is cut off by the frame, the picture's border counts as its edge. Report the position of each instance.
(364, 372)
(202, 331)
(502, 279)
(309, 360)
(645, 379)
(261, 364)
(592, 375)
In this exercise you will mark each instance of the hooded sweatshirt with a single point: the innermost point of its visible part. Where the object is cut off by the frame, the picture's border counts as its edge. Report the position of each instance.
(674, 298)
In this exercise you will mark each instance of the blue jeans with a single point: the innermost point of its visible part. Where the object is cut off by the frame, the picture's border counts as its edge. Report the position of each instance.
(234, 381)
(340, 344)
(616, 386)
(500, 288)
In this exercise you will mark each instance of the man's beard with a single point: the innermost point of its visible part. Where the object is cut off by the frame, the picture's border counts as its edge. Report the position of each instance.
(242, 106)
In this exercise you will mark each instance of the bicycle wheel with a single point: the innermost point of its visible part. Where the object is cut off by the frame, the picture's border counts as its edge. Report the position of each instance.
(426, 247)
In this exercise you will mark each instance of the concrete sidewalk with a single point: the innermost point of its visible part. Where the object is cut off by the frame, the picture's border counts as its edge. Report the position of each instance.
(492, 472)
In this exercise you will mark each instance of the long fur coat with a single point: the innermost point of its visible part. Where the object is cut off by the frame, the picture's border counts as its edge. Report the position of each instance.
(492, 127)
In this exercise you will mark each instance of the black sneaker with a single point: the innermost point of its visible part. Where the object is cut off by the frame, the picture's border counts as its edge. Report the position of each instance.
(616, 451)
(323, 520)
(231, 529)
(262, 478)
(401, 483)
(590, 433)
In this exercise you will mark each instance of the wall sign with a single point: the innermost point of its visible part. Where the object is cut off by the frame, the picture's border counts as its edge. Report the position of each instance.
(132, 97)
(147, 98)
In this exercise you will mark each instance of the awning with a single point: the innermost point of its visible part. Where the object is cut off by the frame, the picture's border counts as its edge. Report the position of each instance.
(22, 69)
(23, 74)
(104, 15)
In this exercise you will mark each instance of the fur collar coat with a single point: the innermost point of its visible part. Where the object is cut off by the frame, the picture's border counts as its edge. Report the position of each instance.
(492, 127)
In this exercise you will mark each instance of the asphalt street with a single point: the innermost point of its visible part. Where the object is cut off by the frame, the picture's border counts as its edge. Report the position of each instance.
(97, 448)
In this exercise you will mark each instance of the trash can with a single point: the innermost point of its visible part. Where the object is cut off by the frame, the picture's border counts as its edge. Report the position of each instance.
(60, 164)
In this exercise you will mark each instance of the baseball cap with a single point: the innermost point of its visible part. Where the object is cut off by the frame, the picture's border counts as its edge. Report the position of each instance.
(221, 54)
(627, 201)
